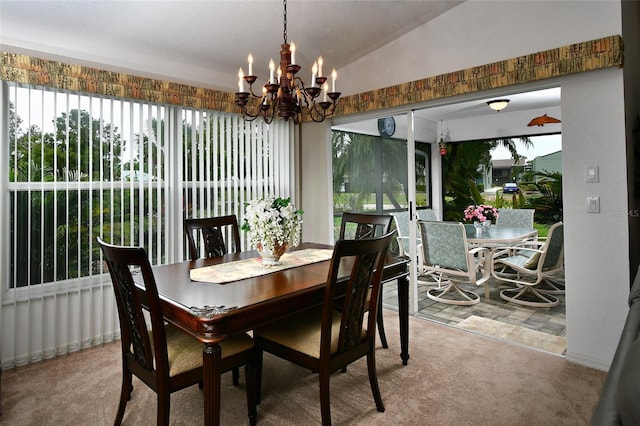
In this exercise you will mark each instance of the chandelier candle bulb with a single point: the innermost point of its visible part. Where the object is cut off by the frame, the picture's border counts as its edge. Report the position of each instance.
(314, 71)
(334, 75)
(320, 62)
(250, 59)
(293, 53)
(272, 67)
(240, 80)
(326, 89)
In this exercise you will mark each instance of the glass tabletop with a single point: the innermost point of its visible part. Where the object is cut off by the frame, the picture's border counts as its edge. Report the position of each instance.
(499, 234)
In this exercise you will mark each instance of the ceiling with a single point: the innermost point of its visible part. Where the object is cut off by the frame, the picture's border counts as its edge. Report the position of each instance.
(525, 101)
(203, 43)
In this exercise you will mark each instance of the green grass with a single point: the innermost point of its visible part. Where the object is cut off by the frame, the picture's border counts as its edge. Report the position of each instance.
(542, 229)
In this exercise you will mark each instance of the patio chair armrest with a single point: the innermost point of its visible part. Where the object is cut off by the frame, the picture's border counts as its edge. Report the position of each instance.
(511, 250)
(479, 250)
(401, 245)
(530, 243)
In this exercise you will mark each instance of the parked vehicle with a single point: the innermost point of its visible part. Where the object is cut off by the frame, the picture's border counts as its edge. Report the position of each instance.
(510, 188)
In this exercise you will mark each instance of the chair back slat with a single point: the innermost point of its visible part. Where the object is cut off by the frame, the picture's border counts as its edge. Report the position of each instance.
(358, 226)
(444, 244)
(210, 236)
(130, 300)
(365, 261)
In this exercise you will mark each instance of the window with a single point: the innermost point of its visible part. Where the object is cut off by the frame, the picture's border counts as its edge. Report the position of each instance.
(82, 166)
(78, 166)
(370, 174)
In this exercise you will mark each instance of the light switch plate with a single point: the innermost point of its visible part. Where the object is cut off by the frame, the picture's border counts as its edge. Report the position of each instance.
(593, 204)
(593, 174)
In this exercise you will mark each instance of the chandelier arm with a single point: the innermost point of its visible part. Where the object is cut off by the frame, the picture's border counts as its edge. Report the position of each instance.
(246, 113)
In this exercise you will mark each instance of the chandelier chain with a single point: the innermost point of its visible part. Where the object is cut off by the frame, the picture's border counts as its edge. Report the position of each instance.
(285, 22)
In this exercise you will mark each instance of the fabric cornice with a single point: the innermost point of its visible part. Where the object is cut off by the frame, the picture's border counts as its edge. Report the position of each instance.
(43, 72)
(579, 57)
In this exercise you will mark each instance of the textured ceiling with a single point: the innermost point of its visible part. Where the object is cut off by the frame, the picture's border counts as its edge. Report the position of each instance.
(205, 42)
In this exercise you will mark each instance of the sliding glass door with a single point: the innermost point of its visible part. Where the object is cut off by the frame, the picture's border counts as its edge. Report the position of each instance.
(378, 167)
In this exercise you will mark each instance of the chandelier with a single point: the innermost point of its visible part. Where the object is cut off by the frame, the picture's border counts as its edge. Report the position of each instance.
(285, 94)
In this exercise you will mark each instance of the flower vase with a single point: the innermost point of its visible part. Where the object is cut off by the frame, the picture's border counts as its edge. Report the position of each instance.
(271, 256)
(485, 225)
(478, 226)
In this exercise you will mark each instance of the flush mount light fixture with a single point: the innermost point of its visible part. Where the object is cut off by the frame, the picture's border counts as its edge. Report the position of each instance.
(498, 104)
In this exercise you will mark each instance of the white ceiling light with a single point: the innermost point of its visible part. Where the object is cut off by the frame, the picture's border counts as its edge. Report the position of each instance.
(498, 104)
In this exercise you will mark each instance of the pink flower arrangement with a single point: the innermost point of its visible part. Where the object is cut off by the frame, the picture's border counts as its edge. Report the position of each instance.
(480, 213)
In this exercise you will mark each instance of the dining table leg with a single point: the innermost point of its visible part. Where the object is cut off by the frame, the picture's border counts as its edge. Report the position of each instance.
(403, 314)
(211, 356)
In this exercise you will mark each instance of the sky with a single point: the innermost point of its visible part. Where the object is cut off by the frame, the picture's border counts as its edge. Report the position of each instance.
(542, 145)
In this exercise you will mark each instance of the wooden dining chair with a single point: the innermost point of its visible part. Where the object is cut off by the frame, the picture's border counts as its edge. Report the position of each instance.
(208, 234)
(327, 338)
(357, 226)
(162, 356)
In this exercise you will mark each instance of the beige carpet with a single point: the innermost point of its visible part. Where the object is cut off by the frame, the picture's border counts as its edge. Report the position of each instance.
(515, 333)
(453, 378)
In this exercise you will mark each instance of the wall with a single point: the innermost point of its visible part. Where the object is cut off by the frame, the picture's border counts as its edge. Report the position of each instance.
(597, 267)
(593, 133)
(470, 34)
(316, 187)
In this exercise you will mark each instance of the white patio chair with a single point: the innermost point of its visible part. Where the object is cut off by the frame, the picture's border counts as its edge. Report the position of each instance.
(448, 259)
(516, 217)
(529, 266)
(402, 225)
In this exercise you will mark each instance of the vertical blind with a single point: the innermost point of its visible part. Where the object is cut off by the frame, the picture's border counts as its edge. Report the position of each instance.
(80, 166)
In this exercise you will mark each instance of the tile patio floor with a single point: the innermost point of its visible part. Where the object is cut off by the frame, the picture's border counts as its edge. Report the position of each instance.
(547, 320)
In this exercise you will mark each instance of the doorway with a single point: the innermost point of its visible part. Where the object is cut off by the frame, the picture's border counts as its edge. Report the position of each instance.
(454, 123)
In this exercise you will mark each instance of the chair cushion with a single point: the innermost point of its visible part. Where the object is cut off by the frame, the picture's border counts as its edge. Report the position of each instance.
(532, 263)
(185, 352)
(517, 261)
(302, 332)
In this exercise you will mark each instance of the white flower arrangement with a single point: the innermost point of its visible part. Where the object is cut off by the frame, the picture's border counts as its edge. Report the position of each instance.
(273, 222)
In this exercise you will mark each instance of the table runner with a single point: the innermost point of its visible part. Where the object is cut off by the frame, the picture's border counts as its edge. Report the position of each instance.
(247, 268)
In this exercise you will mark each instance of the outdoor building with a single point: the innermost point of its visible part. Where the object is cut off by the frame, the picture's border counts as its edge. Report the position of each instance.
(502, 171)
(547, 163)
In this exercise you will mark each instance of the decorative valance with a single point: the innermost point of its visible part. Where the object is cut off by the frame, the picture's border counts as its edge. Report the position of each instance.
(575, 58)
(43, 72)
(579, 57)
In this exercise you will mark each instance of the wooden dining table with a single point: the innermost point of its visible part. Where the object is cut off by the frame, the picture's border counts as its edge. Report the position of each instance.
(211, 312)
